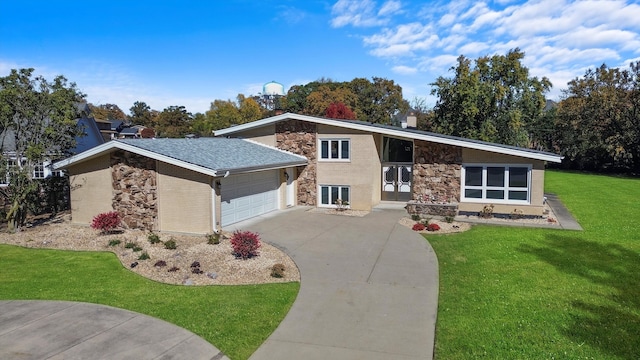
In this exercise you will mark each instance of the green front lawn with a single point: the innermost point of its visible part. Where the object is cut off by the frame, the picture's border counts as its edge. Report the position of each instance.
(521, 293)
(236, 319)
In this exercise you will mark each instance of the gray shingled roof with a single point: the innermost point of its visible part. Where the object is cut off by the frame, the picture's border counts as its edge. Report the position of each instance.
(219, 154)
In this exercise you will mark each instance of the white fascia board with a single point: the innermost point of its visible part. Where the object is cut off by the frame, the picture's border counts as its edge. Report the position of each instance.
(114, 144)
(235, 171)
(397, 133)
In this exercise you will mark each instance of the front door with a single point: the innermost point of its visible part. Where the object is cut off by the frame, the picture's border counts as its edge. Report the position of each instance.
(396, 182)
(397, 165)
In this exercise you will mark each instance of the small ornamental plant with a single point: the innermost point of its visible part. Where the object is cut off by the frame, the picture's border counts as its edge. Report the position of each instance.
(418, 227)
(245, 244)
(433, 227)
(213, 238)
(170, 244)
(153, 238)
(106, 222)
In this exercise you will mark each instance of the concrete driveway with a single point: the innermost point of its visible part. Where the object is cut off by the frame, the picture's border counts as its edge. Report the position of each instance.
(369, 287)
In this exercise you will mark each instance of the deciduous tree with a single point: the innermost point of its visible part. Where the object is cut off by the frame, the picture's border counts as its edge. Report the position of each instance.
(173, 121)
(107, 112)
(598, 121)
(38, 122)
(493, 99)
(339, 111)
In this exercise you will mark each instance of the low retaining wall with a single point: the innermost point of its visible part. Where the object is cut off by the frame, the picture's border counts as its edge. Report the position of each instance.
(431, 209)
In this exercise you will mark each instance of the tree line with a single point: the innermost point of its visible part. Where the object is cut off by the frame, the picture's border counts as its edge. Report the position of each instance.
(595, 125)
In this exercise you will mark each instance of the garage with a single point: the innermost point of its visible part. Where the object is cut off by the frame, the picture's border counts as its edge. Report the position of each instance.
(248, 195)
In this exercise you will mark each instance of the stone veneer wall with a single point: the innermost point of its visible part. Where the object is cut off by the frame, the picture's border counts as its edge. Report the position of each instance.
(134, 189)
(436, 172)
(299, 137)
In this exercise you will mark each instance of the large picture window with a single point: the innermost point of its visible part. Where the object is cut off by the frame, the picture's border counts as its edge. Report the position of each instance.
(330, 194)
(334, 149)
(496, 183)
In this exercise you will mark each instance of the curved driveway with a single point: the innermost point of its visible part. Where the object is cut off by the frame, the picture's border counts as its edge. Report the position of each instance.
(369, 287)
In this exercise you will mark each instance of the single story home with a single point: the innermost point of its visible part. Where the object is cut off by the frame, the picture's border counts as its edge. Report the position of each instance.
(201, 185)
(179, 185)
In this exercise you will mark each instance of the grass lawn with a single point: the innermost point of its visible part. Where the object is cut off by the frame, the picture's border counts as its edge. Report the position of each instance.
(236, 319)
(520, 293)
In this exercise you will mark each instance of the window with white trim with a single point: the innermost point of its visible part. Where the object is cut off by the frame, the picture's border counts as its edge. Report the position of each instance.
(39, 171)
(335, 149)
(507, 184)
(332, 195)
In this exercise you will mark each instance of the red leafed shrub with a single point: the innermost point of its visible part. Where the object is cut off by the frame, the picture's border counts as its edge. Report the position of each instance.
(106, 222)
(418, 227)
(245, 244)
(433, 227)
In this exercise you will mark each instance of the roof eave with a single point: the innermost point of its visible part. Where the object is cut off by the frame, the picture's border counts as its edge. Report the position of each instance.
(398, 133)
(114, 144)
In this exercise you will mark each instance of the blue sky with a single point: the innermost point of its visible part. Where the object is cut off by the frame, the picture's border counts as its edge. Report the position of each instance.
(192, 52)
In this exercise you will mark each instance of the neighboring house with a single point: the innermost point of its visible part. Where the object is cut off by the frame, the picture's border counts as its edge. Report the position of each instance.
(180, 185)
(364, 163)
(105, 129)
(201, 185)
(91, 137)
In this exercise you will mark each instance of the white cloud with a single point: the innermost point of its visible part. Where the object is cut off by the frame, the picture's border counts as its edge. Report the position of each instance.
(404, 70)
(358, 13)
(389, 8)
(403, 40)
(563, 37)
(291, 15)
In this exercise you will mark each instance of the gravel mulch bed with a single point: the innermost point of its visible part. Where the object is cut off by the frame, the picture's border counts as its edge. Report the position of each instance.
(217, 264)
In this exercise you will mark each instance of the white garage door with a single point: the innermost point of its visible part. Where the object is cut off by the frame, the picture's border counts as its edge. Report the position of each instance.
(248, 195)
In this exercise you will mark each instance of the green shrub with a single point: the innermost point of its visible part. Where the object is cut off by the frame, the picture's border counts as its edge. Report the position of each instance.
(213, 239)
(153, 238)
(415, 217)
(144, 256)
(170, 244)
(136, 248)
(114, 242)
(449, 219)
(130, 245)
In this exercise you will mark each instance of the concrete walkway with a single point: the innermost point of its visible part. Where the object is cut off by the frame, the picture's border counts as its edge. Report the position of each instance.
(369, 287)
(71, 330)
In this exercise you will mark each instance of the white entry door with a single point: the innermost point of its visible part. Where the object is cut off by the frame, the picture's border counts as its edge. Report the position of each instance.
(396, 182)
(248, 195)
(291, 197)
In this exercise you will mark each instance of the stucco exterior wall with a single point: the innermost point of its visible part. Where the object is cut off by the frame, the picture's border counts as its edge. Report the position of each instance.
(362, 173)
(184, 200)
(264, 135)
(536, 207)
(90, 189)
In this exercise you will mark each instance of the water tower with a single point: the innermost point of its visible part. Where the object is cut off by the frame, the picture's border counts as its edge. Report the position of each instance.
(271, 92)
